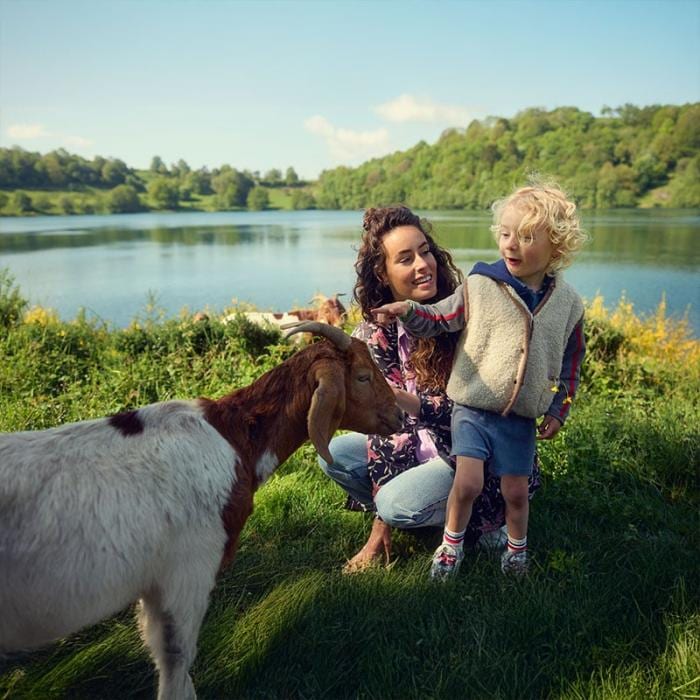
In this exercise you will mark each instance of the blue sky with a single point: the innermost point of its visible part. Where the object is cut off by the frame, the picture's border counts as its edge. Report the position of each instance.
(314, 85)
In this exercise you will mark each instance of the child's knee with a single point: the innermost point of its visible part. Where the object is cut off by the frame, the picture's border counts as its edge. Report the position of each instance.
(515, 490)
(467, 490)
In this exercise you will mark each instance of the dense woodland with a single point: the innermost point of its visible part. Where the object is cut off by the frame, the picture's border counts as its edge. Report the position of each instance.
(627, 157)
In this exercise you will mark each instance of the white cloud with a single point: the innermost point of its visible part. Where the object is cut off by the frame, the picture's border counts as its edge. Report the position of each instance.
(407, 108)
(26, 132)
(346, 144)
(77, 141)
(35, 132)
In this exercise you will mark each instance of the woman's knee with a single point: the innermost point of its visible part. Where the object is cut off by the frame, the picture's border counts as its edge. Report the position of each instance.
(397, 511)
(348, 452)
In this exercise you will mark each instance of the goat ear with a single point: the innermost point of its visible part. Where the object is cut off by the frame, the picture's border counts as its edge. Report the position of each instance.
(327, 408)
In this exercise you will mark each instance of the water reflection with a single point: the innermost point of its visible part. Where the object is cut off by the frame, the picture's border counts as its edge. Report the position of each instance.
(659, 240)
(187, 236)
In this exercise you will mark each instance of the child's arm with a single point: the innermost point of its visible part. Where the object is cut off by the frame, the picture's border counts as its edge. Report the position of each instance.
(568, 385)
(426, 320)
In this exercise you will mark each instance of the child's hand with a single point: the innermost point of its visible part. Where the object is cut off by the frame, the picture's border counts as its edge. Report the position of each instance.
(389, 312)
(548, 428)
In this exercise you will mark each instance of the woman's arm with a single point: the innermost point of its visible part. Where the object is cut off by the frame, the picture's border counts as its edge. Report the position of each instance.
(435, 410)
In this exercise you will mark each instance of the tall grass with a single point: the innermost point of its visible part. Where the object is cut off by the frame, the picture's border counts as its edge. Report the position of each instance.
(610, 609)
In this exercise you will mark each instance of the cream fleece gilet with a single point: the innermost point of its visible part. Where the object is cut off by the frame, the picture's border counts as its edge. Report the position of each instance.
(508, 359)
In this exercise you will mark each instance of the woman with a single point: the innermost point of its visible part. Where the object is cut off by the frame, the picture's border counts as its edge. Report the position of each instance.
(407, 477)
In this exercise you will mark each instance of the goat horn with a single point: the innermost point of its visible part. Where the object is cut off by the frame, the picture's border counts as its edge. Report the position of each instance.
(336, 335)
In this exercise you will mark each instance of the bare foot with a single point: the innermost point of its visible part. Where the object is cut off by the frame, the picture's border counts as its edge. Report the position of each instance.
(377, 547)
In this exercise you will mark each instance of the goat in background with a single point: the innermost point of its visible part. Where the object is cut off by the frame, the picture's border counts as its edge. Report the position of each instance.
(328, 310)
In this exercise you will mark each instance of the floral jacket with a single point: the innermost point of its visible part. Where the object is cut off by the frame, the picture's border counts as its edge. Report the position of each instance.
(389, 456)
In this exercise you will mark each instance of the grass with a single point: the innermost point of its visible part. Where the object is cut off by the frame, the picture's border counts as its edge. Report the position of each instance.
(610, 610)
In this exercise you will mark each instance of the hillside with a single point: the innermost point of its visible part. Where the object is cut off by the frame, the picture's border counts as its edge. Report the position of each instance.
(627, 157)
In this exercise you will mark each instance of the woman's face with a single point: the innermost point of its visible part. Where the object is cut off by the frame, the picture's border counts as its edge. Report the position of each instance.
(410, 267)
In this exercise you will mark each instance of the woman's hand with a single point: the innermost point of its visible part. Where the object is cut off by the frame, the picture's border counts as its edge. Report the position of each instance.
(548, 428)
(407, 401)
(389, 312)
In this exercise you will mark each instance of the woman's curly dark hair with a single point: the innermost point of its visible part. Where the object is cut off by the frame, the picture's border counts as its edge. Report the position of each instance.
(432, 358)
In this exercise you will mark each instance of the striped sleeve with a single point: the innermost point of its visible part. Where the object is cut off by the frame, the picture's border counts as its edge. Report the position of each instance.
(570, 373)
(445, 316)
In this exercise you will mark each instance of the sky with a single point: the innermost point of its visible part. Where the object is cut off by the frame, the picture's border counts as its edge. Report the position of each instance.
(317, 84)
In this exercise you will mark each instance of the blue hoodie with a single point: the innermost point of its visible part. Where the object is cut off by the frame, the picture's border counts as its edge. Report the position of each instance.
(499, 272)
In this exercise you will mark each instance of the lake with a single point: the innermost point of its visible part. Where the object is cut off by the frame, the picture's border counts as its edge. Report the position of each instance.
(276, 260)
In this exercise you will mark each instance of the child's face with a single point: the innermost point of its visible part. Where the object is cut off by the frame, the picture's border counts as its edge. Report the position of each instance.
(526, 259)
(410, 266)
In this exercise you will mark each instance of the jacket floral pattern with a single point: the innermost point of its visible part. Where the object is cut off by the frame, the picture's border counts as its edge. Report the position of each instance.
(390, 456)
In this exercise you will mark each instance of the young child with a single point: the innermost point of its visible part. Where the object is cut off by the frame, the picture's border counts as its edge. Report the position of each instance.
(518, 358)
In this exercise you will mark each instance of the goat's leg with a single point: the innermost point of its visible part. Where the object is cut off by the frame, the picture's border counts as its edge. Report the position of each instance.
(170, 621)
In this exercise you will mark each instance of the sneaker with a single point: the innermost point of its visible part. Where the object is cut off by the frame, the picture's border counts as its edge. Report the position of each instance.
(493, 541)
(516, 563)
(446, 561)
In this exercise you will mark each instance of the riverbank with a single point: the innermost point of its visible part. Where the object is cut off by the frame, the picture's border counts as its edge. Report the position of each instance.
(92, 200)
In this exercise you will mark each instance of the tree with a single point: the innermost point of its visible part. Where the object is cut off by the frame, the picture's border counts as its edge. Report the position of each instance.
(51, 168)
(258, 199)
(123, 199)
(291, 178)
(135, 181)
(684, 188)
(231, 187)
(687, 131)
(182, 167)
(273, 177)
(21, 202)
(302, 199)
(616, 187)
(114, 172)
(158, 166)
(164, 193)
(199, 182)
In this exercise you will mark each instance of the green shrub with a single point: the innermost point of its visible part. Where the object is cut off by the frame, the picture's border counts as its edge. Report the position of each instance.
(123, 199)
(12, 303)
(21, 202)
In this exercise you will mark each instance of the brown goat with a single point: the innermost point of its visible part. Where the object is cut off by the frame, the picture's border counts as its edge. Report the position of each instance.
(149, 504)
(325, 387)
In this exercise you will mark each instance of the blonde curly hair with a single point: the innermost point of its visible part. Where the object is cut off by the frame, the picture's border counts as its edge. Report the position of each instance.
(545, 207)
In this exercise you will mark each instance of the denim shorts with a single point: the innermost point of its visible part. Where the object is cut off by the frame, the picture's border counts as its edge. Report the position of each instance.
(505, 443)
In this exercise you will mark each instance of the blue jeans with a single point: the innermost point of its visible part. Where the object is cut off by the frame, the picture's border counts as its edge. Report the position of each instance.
(414, 498)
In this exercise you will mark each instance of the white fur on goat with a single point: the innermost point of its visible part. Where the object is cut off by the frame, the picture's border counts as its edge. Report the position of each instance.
(149, 504)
